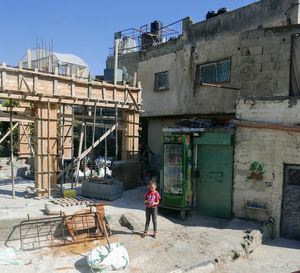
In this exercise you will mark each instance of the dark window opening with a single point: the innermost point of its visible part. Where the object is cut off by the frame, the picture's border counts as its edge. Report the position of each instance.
(161, 81)
(293, 175)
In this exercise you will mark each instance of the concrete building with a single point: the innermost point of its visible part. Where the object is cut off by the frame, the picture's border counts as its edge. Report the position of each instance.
(267, 163)
(241, 41)
(202, 73)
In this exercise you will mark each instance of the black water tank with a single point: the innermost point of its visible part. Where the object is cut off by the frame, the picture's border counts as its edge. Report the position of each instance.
(222, 11)
(210, 14)
(156, 28)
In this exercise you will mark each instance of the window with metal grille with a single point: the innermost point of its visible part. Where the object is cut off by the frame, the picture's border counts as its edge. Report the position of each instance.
(216, 72)
(293, 175)
(161, 81)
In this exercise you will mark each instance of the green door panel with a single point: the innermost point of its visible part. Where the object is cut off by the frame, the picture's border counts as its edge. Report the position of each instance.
(214, 185)
(214, 138)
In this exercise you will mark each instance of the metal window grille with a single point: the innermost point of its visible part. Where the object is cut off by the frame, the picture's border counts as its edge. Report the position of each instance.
(161, 81)
(216, 72)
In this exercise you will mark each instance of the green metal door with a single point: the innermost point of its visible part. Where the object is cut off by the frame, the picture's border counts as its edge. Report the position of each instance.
(214, 184)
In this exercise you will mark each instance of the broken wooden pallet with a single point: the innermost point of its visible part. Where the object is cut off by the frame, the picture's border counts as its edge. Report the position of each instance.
(72, 201)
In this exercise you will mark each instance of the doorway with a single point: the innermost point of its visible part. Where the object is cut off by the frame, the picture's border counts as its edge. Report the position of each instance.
(214, 184)
(290, 211)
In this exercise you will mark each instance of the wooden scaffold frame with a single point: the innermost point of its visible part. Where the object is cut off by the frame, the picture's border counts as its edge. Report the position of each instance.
(48, 100)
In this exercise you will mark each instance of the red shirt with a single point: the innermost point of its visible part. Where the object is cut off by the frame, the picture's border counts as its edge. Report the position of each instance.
(151, 197)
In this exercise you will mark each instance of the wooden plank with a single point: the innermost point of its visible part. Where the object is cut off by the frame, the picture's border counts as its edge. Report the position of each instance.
(49, 76)
(102, 125)
(45, 163)
(8, 132)
(79, 152)
(104, 136)
(265, 125)
(134, 101)
(70, 101)
(24, 146)
(14, 109)
(86, 152)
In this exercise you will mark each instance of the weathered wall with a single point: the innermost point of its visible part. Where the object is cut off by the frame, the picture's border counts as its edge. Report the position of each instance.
(273, 148)
(155, 134)
(260, 60)
(183, 97)
(129, 60)
(276, 110)
(260, 66)
(263, 14)
(265, 61)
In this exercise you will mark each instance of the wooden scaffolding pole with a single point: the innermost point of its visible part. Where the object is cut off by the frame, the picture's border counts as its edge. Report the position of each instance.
(12, 152)
(9, 132)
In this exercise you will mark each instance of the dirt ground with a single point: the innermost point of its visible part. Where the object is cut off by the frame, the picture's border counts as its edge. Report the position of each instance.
(193, 245)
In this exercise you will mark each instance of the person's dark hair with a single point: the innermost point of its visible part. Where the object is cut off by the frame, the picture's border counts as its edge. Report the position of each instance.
(152, 182)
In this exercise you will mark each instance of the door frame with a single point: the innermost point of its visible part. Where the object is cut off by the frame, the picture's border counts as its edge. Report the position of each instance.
(285, 178)
(212, 138)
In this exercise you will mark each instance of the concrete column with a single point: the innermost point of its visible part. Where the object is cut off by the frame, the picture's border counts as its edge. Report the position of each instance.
(130, 138)
(45, 163)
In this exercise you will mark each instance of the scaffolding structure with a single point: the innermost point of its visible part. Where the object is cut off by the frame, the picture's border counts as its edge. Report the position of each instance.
(51, 105)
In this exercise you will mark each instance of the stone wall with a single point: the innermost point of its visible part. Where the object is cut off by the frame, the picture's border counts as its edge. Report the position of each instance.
(265, 61)
(261, 14)
(273, 149)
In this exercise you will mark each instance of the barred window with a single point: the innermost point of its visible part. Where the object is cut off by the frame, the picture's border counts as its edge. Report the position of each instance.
(161, 81)
(216, 72)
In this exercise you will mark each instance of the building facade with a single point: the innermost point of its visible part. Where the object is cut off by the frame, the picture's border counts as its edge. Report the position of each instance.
(202, 73)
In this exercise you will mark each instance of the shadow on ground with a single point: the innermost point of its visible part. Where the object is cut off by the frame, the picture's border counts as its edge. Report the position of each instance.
(284, 243)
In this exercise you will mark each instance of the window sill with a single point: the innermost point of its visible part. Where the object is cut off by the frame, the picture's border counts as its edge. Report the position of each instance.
(162, 90)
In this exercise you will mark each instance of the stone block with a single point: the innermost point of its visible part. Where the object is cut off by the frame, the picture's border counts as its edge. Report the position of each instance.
(249, 42)
(269, 40)
(266, 58)
(132, 222)
(248, 60)
(270, 66)
(270, 49)
(283, 84)
(256, 50)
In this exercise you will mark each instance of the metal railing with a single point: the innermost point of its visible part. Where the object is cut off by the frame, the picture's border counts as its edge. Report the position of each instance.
(131, 39)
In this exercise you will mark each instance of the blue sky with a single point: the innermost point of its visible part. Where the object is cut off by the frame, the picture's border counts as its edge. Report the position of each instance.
(86, 27)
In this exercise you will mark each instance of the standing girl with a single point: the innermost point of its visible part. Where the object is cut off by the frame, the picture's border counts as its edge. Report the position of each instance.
(152, 198)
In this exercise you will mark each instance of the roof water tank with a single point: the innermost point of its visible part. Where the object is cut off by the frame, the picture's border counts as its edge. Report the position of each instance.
(210, 14)
(222, 11)
(156, 28)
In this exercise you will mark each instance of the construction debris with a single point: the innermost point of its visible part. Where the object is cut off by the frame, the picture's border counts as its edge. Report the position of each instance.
(84, 225)
(111, 258)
